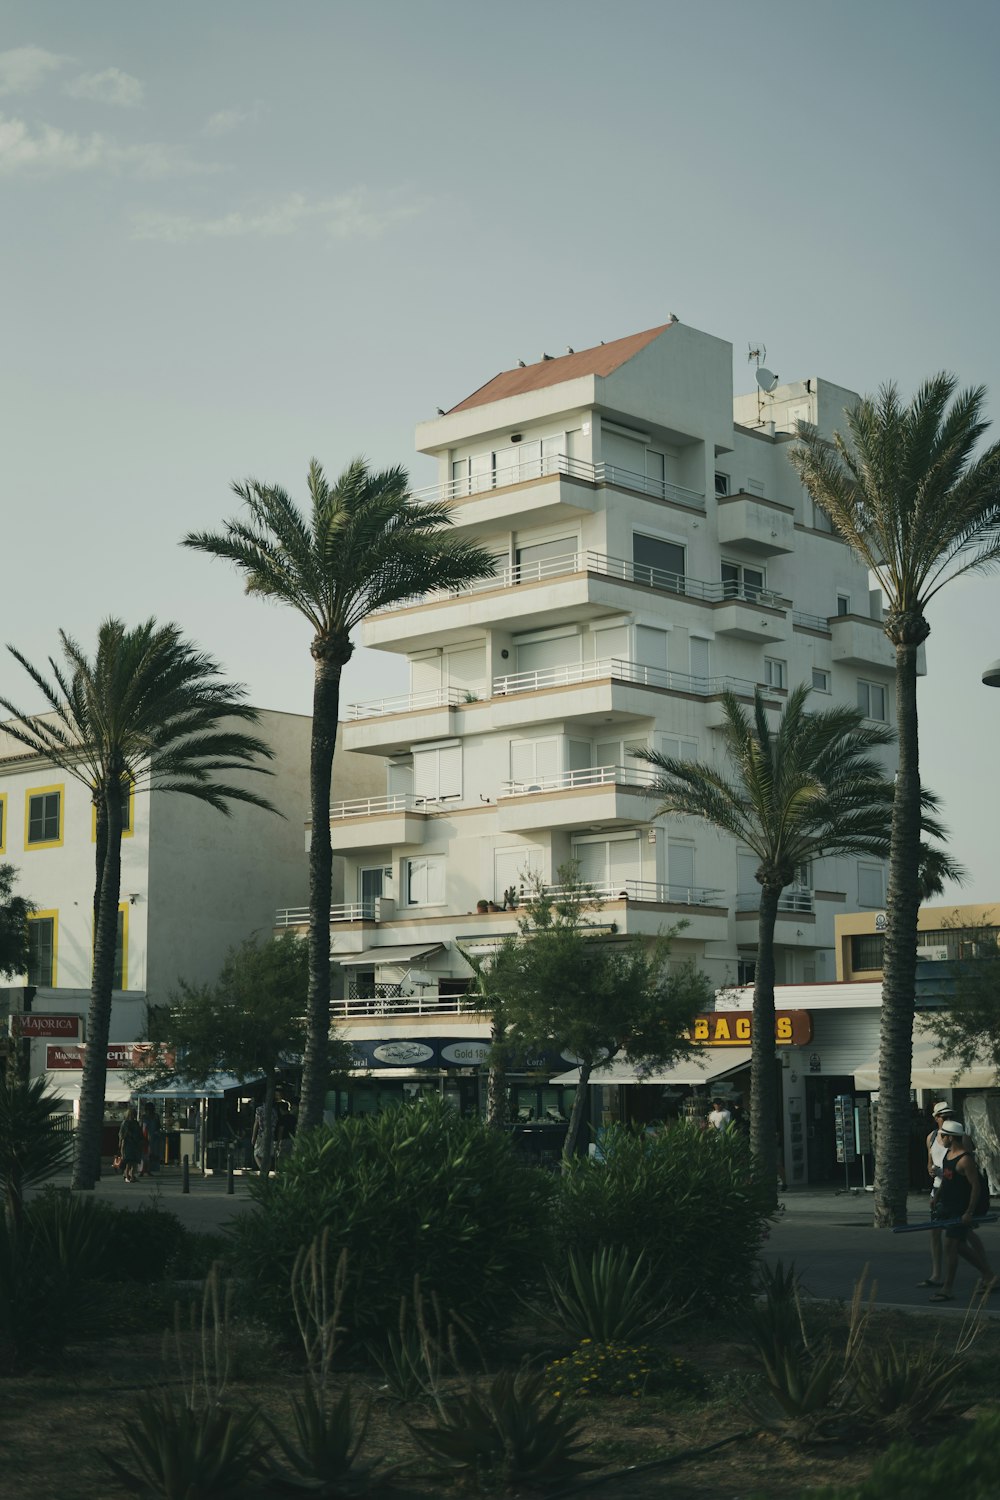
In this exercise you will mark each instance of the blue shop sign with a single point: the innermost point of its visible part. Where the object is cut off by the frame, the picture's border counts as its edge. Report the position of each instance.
(443, 1052)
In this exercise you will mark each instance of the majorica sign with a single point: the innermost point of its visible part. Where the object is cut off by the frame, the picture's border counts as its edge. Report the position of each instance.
(734, 1028)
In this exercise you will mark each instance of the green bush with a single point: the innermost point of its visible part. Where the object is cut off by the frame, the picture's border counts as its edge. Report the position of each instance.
(687, 1199)
(105, 1243)
(621, 1369)
(966, 1463)
(414, 1191)
(40, 1306)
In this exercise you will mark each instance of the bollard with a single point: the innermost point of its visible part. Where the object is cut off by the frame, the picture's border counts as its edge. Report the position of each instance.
(230, 1180)
(185, 1176)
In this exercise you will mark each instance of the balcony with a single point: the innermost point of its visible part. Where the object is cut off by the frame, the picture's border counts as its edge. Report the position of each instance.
(597, 691)
(575, 586)
(350, 911)
(861, 642)
(387, 726)
(540, 490)
(757, 525)
(796, 922)
(377, 822)
(599, 796)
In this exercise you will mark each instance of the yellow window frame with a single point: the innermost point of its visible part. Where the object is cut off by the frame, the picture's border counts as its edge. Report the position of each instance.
(123, 908)
(44, 791)
(3, 822)
(53, 916)
(126, 832)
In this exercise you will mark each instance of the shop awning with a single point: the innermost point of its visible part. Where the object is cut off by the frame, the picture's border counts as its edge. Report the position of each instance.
(706, 1065)
(66, 1083)
(926, 1073)
(387, 957)
(213, 1088)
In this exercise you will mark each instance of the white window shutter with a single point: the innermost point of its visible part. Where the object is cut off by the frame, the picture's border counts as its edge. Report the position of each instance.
(522, 761)
(450, 771)
(425, 773)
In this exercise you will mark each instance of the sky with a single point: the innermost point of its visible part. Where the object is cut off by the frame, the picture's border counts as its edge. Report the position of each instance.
(241, 235)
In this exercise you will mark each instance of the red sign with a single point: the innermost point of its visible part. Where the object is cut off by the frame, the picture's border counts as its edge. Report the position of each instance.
(35, 1025)
(123, 1055)
(733, 1028)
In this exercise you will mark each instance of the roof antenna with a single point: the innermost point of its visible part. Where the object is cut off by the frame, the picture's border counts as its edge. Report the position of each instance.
(766, 381)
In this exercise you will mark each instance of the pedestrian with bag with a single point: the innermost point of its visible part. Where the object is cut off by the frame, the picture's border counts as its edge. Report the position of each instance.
(960, 1197)
(130, 1145)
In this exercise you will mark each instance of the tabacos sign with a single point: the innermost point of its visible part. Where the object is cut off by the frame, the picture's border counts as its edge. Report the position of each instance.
(734, 1028)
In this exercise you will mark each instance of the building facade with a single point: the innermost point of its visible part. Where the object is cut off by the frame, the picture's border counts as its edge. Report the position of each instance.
(653, 547)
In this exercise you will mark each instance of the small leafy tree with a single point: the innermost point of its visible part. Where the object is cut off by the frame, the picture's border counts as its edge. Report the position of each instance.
(969, 1029)
(567, 986)
(249, 1022)
(14, 914)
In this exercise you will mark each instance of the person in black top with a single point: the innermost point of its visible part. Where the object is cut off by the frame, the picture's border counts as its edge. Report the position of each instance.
(959, 1197)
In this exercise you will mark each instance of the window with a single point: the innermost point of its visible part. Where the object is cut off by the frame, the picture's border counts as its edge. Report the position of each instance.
(3, 822)
(373, 883)
(658, 563)
(680, 869)
(739, 582)
(821, 521)
(608, 863)
(535, 761)
(871, 885)
(546, 559)
(675, 748)
(437, 772)
(620, 753)
(821, 680)
(866, 952)
(775, 672)
(871, 700)
(721, 484)
(746, 971)
(43, 818)
(700, 660)
(120, 980)
(843, 605)
(425, 880)
(42, 929)
(128, 810)
(755, 486)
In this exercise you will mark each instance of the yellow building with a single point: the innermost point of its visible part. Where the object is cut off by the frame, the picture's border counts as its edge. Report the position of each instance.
(943, 932)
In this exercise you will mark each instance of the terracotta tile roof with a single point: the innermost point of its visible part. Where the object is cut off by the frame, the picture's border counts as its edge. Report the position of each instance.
(598, 361)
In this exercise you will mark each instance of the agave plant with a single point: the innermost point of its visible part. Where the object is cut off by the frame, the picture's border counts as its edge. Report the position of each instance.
(508, 1433)
(323, 1452)
(180, 1454)
(902, 1391)
(607, 1299)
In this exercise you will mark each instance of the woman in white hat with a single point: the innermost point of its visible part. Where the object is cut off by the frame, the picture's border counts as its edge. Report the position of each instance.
(936, 1150)
(959, 1198)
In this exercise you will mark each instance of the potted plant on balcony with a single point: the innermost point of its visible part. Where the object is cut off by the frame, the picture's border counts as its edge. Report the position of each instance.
(482, 904)
(510, 899)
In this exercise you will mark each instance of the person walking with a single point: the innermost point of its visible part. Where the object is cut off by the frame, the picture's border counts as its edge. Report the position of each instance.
(130, 1145)
(152, 1134)
(936, 1152)
(960, 1196)
(719, 1116)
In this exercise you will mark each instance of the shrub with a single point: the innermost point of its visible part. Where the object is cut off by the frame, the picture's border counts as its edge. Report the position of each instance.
(620, 1369)
(606, 1298)
(966, 1463)
(416, 1191)
(687, 1199)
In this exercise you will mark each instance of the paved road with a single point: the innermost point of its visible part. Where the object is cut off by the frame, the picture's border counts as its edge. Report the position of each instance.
(828, 1234)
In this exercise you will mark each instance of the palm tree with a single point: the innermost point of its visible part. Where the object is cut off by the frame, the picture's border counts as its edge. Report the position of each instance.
(365, 544)
(903, 489)
(809, 789)
(148, 712)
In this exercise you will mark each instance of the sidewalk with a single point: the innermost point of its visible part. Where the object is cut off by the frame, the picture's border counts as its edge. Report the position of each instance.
(207, 1206)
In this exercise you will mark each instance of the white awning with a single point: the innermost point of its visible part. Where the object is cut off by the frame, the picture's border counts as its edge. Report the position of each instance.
(387, 957)
(705, 1065)
(926, 1073)
(213, 1088)
(66, 1083)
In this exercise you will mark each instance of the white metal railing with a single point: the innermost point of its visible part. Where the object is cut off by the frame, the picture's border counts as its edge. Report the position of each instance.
(794, 901)
(620, 671)
(422, 1004)
(407, 703)
(600, 563)
(349, 911)
(520, 470)
(812, 622)
(636, 776)
(372, 807)
(645, 890)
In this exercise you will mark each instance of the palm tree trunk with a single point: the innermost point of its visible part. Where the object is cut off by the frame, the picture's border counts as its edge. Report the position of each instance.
(576, 1113)
(892, 1146)
(326, 710)
(267, 1149)
(763, 1084)
(496, 1079)
(87, 1157)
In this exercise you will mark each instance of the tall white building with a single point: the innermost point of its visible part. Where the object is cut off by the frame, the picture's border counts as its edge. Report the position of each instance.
(653, 546)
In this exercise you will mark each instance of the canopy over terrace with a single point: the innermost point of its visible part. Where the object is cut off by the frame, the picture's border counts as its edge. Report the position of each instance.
(703, 1065)
(927, 1072)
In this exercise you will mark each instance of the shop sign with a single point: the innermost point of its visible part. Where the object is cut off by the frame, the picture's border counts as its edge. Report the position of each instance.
(124, 1055)
(465, 1054)
(734, 1028)
(402, 1054)
(39, 1025)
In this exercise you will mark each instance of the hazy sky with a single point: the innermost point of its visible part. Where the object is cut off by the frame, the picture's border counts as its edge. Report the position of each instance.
(241, 234)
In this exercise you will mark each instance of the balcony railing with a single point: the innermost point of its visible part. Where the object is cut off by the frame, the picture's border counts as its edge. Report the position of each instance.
(407, 703)
(645, 890)
(520, 470)
(812, 622)
(373, 807)
(359, 1007)
(350, 911)
(793, 901)
(607, 567)
(573, 673)
(636, 776)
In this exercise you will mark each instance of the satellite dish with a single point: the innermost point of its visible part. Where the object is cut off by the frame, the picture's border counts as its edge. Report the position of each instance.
(766, 380)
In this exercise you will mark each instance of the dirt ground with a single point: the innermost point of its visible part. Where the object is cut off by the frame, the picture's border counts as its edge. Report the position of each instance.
(54, 1421)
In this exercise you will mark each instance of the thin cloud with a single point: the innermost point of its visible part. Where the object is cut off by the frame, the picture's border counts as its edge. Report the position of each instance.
(110, 87)
(225, 121)
(49, 151)
(352, 215)
(22, 69)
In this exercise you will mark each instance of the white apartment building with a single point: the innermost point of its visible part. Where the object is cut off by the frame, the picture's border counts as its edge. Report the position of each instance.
(653, 547)
(194, 883)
